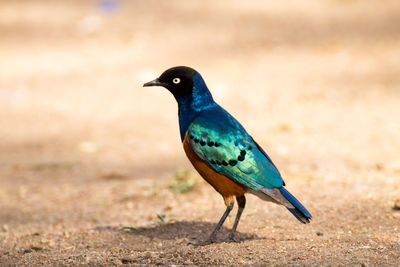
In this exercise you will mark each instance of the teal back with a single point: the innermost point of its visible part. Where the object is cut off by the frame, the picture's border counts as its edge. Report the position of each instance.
(224, 144)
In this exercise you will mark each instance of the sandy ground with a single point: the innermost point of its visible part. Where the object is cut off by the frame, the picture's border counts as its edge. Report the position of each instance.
(88, 156)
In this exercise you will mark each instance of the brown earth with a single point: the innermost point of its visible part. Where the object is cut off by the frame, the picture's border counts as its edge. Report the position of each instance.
(88, 156)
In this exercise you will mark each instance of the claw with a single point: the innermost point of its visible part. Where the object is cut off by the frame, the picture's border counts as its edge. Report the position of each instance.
(232, 238)
(203, 243)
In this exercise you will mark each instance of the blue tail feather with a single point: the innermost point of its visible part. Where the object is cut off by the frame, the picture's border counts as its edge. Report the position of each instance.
(299, 211)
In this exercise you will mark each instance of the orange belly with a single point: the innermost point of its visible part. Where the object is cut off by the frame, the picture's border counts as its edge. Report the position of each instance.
(225, 186)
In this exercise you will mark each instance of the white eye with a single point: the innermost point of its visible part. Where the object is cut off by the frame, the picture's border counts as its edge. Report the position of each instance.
(176, 80)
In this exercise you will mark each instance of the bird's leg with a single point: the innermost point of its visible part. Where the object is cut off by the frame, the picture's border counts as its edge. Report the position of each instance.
(211, 238)
(241, 200)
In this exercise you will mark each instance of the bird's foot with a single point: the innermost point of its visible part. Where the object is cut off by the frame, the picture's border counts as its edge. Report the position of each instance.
(232, 238)
(202, 243)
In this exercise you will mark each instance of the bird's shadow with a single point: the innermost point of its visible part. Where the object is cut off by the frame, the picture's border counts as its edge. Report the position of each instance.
(191, 230)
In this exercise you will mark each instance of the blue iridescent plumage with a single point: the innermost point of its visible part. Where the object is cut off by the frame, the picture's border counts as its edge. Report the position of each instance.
(248, 165)
(202, 118)
(190, 106)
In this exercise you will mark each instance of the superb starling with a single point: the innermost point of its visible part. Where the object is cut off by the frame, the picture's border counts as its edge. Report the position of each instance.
(221, 150)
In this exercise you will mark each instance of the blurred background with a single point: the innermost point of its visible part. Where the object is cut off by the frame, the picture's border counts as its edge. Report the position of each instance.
(83, 144)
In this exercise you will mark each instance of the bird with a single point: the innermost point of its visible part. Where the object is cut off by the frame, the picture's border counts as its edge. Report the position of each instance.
(222, 151)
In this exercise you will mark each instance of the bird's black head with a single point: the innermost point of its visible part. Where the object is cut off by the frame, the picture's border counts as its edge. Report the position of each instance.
(178, 80)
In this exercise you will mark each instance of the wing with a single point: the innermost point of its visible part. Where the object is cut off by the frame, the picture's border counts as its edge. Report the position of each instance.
(226, 147)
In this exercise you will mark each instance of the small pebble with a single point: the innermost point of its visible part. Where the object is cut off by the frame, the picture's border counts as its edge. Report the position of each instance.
(36, 247)
(320, 234)
(396, 205)
(127, 260)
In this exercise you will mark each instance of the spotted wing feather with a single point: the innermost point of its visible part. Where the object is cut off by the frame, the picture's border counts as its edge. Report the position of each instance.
(226, 147)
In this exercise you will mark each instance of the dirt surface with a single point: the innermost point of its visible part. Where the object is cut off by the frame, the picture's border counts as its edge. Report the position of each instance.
(90, 162)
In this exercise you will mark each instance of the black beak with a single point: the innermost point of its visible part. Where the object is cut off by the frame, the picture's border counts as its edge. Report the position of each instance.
(155, 82)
